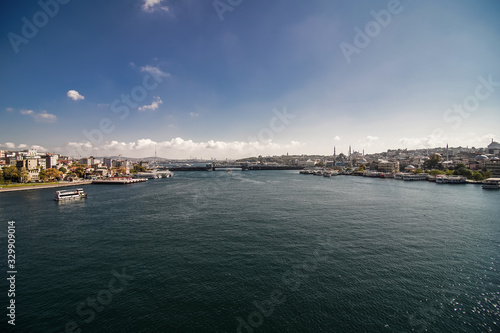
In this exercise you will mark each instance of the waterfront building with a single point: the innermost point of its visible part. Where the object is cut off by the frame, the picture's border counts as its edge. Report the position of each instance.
(493, 166)
(388, 167)
(107, 162)
(51, 161)
(493, 148)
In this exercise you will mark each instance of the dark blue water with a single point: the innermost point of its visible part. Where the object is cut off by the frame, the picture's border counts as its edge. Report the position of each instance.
(262, 251)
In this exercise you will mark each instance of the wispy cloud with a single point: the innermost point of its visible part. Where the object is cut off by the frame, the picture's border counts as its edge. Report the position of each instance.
(9, 109)
(194, 114)
(154, 71)
(74, 95)
(154, 5)
(45, 117)
(428, 141)
(179, 147)
(27, 112)
(154, 106)
(11, 145)
(42, 117)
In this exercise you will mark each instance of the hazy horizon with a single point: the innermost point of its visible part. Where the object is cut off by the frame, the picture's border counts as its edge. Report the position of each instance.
(213, 80)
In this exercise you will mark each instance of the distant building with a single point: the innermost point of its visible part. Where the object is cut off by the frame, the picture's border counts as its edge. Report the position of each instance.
(51, 161)
(87, 160)
(388, 167)
(493, 166)
(107, 162)
(493, 148)
(42, 163)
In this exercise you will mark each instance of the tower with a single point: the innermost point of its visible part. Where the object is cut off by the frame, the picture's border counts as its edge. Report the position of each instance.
(447, 155)
(349, 152)
(334, 156)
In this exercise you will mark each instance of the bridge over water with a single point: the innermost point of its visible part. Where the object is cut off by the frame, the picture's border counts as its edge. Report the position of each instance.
(236, 166)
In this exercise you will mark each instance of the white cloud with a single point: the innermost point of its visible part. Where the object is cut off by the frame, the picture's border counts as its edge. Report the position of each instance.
(22, 146)
(336, 138)
(372, 138)
(154, 106)
(180, 148)
(74, 95)
(38, 148)
(429, 141)
(42, 117)
(154, 71)
(9, 109)
(45, 117)
(193, 114)
(153, 5)
(10, 145)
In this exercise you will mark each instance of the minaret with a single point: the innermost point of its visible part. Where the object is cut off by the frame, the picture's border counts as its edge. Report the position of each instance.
(349, 152)
(334, 156)
(447, 155)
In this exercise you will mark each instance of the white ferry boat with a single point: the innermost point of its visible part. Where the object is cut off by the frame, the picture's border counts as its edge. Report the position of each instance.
(374, 174)
(491, 184)
(419, 176)
(401, 175)
(450, 179)
(70, 194)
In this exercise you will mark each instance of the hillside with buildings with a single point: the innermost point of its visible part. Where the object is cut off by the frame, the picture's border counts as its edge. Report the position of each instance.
(30, 165)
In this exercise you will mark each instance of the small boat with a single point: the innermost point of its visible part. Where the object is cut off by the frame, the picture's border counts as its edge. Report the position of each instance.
(491, 184)
(386, 175)
(70, 194)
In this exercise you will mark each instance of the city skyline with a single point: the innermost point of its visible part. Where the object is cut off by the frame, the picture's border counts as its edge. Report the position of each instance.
(210, 79)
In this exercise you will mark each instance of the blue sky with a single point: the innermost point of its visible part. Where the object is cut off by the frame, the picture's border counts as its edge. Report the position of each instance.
(252, 78)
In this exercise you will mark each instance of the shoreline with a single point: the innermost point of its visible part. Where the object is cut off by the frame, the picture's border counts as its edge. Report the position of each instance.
(36, 187)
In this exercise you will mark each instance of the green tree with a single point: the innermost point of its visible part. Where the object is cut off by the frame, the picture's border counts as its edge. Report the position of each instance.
(362, 167)
(434, 162)
(24, 175)
(80, 171)
(476, 175)
(417, 171)
(436, 172)
(10, 173)
(63, 170)
(487, 174)
(43, 175)
(54, 173)
(1, 176)
(138, 168)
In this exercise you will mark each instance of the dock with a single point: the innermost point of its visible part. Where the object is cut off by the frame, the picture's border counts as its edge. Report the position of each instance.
(119, 181)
